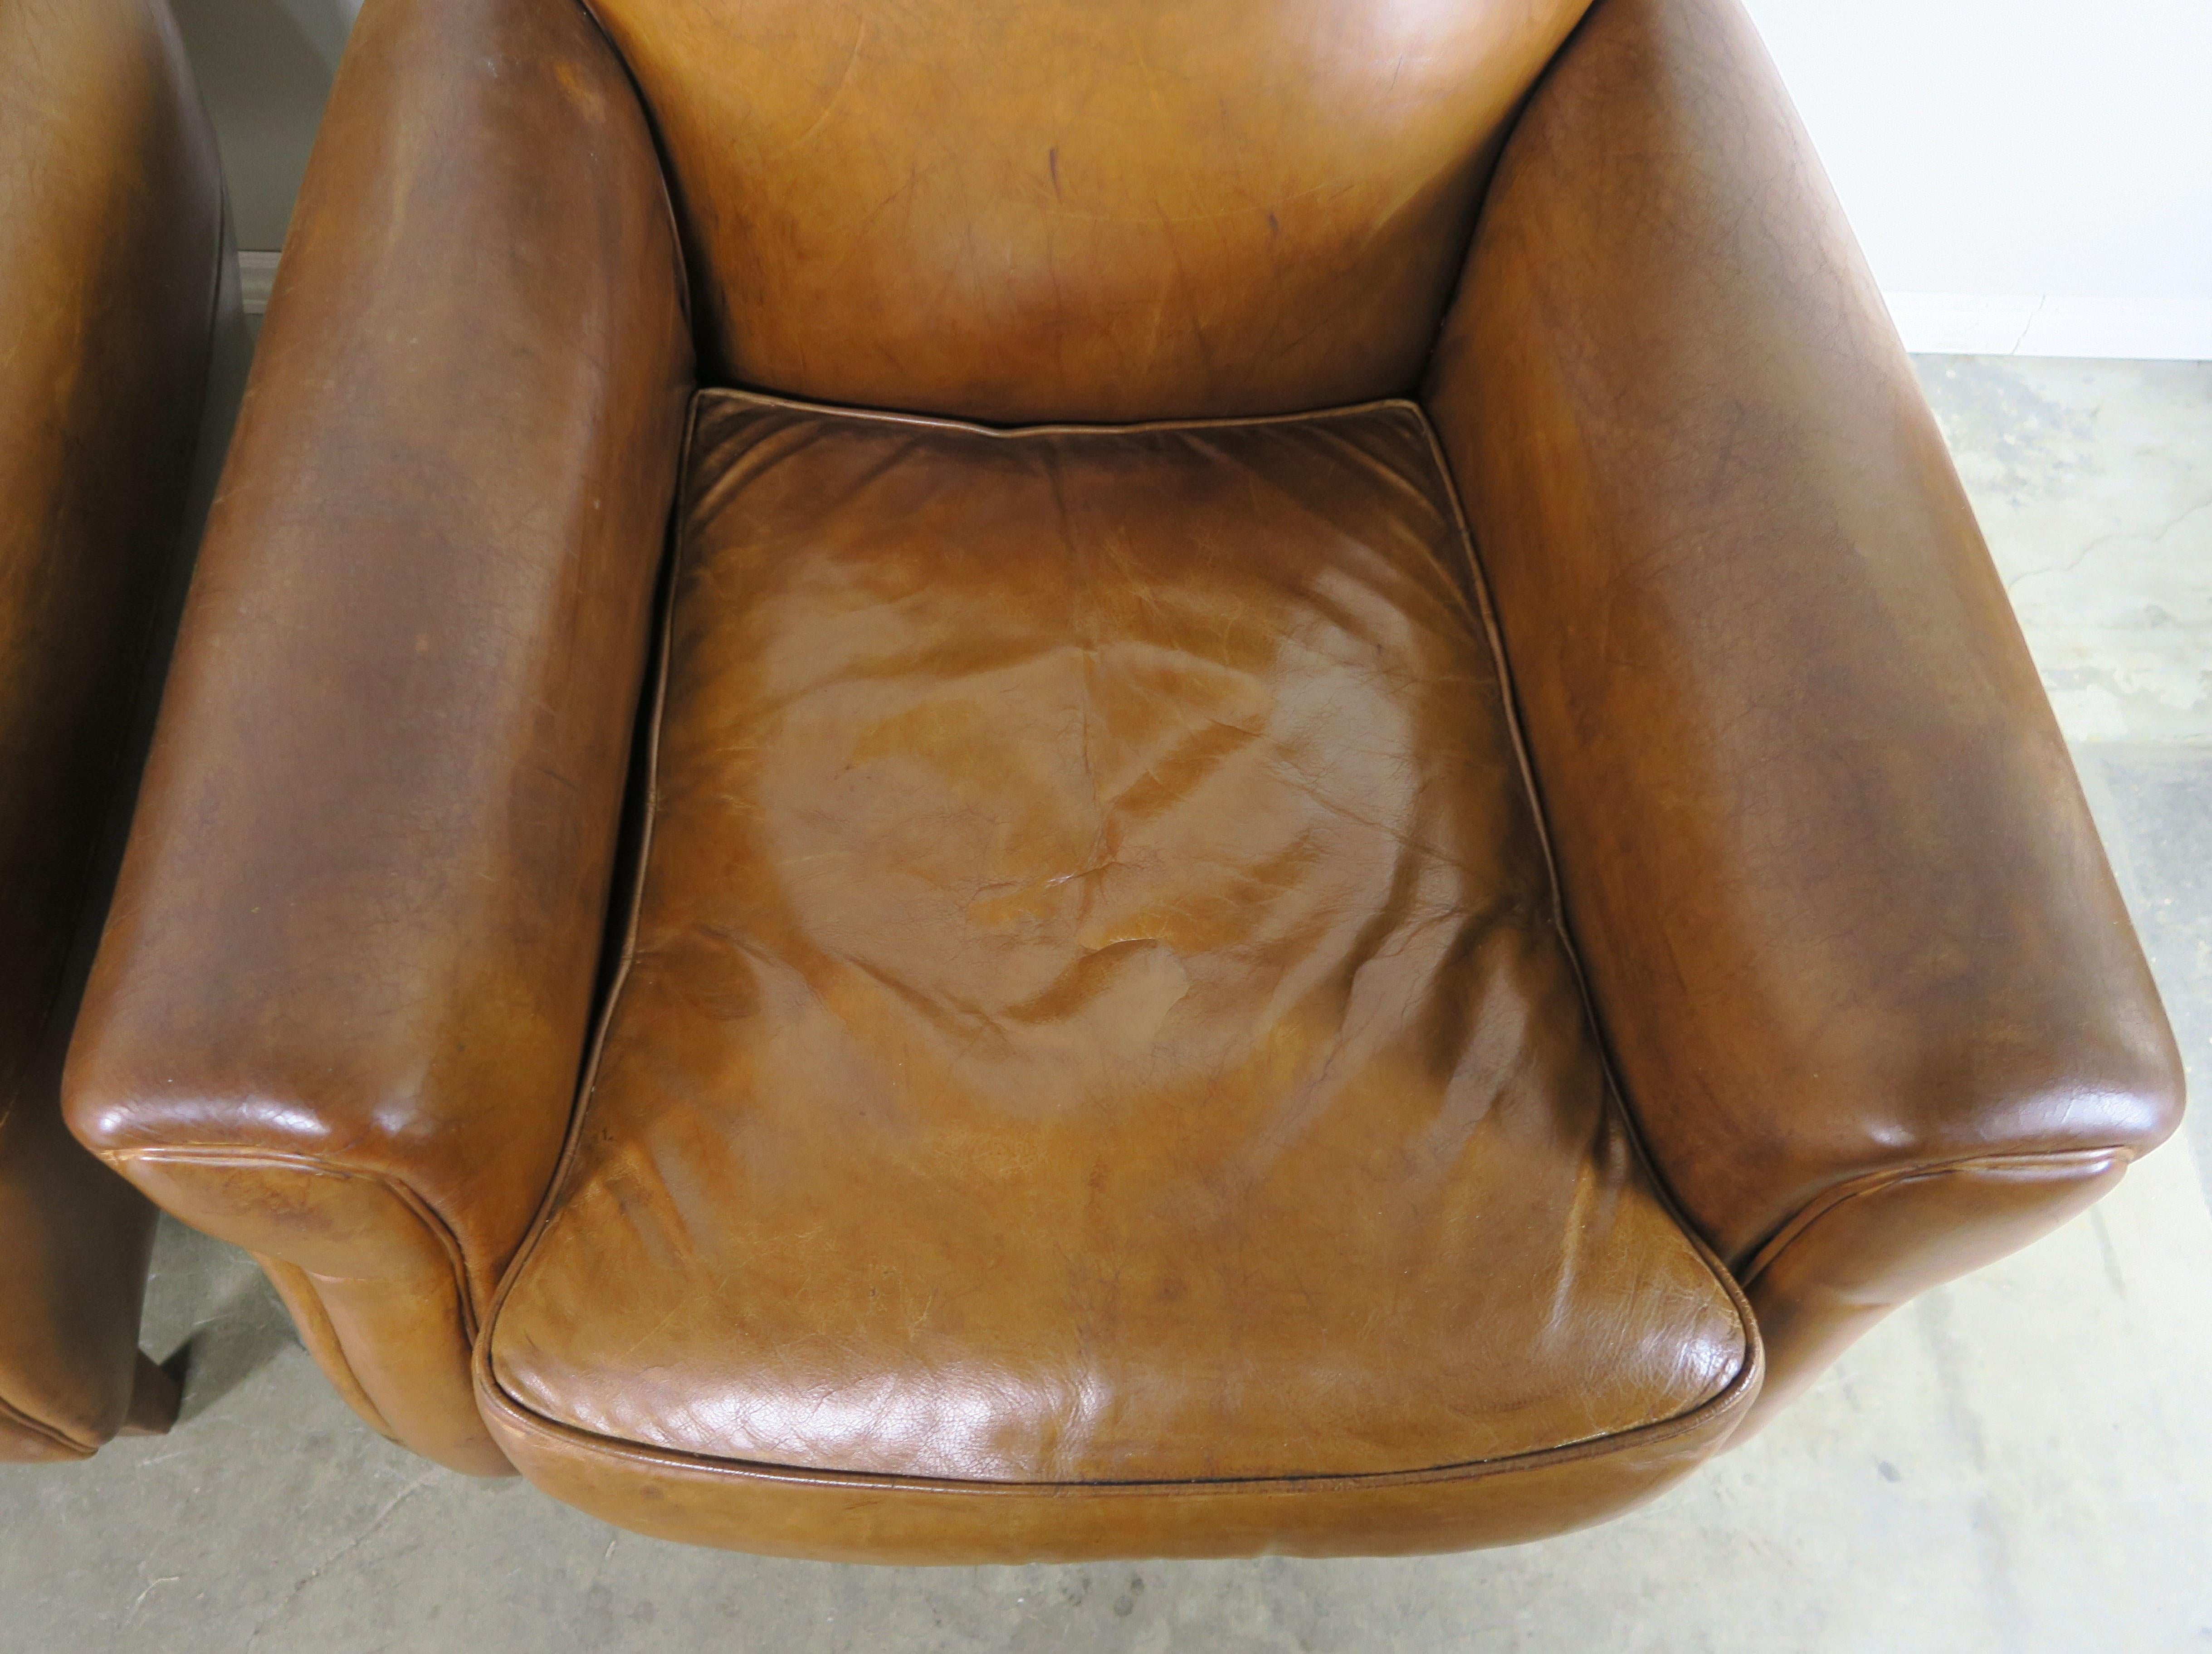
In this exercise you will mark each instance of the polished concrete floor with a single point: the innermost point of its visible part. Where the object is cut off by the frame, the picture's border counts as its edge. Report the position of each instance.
(2021, 1462)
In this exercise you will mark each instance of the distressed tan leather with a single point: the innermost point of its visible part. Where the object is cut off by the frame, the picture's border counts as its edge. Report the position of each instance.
(337, 1012)
(111, 266)
(1136, 1017)
(1842, 905)
(1096, 1013)
(1032, 210)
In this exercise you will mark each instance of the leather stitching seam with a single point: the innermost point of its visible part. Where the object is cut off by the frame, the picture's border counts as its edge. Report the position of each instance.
(423, 1212)
(661, 165)
(1754, 1355)
(1809, 1216)
(588, 1081)
(1717, 1413)
(16, 1417)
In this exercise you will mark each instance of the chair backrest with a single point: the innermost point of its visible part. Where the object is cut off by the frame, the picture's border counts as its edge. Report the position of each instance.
(1080, 209)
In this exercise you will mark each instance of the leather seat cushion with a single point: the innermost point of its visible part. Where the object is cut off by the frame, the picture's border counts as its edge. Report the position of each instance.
(1097, 1010)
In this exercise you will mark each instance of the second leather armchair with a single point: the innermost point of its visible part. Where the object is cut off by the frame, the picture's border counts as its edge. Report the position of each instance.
(121, 342)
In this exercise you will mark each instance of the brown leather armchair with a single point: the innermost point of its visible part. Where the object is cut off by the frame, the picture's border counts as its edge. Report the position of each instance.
(1325, 801)
(115, 285)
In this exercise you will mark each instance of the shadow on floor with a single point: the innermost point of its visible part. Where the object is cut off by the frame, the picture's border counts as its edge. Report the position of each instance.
(243, 1328)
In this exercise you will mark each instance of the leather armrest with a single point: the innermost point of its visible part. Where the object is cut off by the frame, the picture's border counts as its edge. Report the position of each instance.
(1868, 983)
(112, 287)
(339, 1008)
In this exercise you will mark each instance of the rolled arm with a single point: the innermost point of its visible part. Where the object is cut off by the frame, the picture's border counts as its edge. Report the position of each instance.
(1868, 983)
(338, 1010)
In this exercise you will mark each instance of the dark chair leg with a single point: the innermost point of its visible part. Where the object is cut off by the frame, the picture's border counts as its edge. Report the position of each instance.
(154, 1394)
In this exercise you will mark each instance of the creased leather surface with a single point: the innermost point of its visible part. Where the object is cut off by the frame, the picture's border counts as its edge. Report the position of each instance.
(364, 902)
(1095, 1014)
(1843, 907)
(110, 214)
(1028, 209)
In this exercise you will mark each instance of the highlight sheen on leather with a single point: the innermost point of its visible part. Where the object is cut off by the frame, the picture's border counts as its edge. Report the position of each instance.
(1019, 211)
(1096, 1013)
(1266, 967)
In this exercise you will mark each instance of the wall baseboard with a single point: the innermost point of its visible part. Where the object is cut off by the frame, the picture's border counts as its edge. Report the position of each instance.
(257, 273)
(2052, 325)
(1933, 324)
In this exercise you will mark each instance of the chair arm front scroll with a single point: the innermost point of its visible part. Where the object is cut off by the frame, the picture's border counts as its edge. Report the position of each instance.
(1869, 988)
(338, 1011)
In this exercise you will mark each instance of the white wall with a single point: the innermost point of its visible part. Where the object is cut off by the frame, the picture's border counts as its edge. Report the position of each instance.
(264, 68)
(2025, 174)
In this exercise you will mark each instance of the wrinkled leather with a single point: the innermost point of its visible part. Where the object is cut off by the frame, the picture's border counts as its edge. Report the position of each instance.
(353, 950)
(1095, 1012)
(110, 255)
(1843, 906)
(1019, 211)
